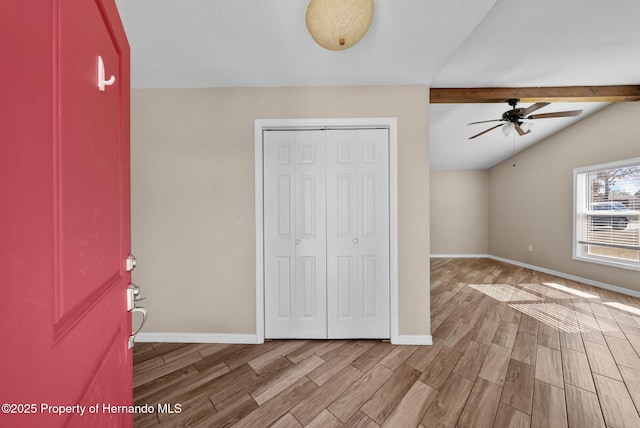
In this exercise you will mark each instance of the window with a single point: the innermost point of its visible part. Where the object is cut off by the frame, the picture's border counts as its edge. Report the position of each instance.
(607, 214)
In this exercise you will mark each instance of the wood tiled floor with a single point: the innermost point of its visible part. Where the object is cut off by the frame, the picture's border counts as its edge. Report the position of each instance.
(512, 348)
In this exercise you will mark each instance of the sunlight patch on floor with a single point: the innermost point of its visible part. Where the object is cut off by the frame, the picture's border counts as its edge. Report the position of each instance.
(571, 290)
(586, 317)
(546, 291)
(624, 307)
(562, 317)
(505, 292)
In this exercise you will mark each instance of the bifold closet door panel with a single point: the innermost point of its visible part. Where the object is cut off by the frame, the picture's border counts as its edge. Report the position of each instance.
(295, 234)
(358, 233)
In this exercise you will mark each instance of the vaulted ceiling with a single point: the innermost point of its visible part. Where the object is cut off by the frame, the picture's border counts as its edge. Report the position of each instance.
(454, 43)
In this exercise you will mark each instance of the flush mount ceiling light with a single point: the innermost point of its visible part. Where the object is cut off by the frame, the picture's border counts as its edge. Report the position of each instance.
(338, 24)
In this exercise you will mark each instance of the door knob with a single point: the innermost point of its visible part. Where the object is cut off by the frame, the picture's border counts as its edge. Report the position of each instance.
(297, 241)
(132, 338)
(355, 240)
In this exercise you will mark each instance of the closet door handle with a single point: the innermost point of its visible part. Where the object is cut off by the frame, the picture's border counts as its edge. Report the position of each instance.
(297, 242)
(355, 240)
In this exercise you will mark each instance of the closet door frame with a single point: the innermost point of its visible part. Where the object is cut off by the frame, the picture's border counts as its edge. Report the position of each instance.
(389, 123)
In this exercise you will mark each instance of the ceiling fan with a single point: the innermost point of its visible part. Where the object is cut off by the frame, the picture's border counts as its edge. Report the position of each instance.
(514, 118)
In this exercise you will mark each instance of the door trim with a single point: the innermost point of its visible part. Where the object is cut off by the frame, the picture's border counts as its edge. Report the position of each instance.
(390, 123)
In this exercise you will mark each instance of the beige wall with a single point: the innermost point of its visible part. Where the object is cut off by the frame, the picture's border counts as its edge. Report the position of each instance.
(531, 203)
(459, 212)
(193, 197)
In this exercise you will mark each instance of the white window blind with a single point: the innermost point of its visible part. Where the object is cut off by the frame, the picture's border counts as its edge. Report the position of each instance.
(607, 213)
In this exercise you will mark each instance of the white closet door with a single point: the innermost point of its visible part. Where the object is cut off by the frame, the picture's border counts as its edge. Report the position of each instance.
(295, 234)
(358, 233)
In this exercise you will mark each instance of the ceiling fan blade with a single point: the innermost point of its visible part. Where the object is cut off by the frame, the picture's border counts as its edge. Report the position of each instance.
(521, 131)
(483, 132)
(532, 108)
(556, 114)
(485, 121)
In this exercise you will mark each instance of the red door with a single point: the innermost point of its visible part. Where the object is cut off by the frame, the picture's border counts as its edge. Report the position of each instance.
(64, 215)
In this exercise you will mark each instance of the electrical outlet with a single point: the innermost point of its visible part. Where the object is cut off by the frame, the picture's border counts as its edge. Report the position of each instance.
(530, 247)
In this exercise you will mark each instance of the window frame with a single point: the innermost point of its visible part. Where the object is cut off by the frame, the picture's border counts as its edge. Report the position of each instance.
(580, 251)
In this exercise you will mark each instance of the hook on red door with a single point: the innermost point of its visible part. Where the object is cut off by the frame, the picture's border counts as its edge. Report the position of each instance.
(102, 83)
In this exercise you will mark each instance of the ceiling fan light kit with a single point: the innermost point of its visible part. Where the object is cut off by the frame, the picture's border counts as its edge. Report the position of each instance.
(507, 129)
(515, 118)
(338, 24)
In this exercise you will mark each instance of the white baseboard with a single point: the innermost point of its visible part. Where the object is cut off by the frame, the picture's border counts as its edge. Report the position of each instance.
(408, 339)
(587, 281)
(459, 256)
(196, 337)
(249, 338)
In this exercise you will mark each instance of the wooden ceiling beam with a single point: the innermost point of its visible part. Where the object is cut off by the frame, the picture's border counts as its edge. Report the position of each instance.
(564, 94)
